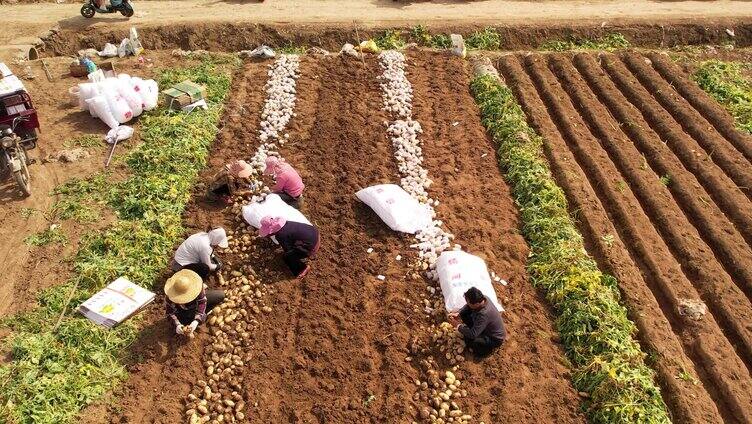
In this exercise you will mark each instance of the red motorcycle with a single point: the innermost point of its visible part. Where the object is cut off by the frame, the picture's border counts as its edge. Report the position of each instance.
(18, 129)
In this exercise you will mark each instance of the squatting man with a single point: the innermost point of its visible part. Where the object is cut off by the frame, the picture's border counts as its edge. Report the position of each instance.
(480, 323)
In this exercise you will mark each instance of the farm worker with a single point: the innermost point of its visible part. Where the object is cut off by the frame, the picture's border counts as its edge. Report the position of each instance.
(289, 186)
(299, 241)
(188, 301)
(232, 180)
(199, 249)
(481, 326)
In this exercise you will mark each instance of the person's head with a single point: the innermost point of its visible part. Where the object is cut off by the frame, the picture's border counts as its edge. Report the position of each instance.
(240, 169)
(218, 237)
(271, 225)
(474, 298)
(183, 287)
(272, 163)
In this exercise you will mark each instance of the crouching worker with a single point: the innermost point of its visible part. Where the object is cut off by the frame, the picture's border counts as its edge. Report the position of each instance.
(199, 249)
(482, 326)
(289, 186)
(298, 241)
(232, 180)
(188, 301)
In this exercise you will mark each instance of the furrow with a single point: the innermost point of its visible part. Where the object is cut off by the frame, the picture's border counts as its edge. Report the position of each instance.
(624, 207)
(710, 221)
(703, 103)
(718, 185)
(646, 310)
(718, 149)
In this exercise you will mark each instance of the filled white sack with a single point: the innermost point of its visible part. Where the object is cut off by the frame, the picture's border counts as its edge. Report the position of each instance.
(272, 206)
(400, 211)
(458, 271)
(99, 108)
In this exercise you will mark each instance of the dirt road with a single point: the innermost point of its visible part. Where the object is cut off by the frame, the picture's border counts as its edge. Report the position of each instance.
(24, 20)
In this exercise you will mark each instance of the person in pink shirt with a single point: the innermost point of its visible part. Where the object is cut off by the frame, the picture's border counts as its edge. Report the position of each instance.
(289, 186)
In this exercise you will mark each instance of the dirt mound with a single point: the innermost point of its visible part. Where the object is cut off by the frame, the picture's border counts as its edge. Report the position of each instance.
(656, 184)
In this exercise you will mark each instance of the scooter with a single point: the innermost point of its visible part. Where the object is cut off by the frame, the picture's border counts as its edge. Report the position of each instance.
(89, 9)
(13, 156)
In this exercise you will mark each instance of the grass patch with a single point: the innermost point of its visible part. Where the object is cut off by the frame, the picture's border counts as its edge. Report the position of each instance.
(391, 39)
(53, 374)
(52, 235)
(423, 37)
(487, 39)
(726, 83)
(598, 337)
(608, 42)
(291, 48)
(85, 141)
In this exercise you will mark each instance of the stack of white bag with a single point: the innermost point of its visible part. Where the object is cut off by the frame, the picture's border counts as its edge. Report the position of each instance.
(458, 271)
(118, 100)
(400, 211)
(272, 206)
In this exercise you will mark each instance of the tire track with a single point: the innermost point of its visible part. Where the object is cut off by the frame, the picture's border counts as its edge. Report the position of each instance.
(718, 149)
(652, 253)
(721, 188)
(688, 402)
(703, 103)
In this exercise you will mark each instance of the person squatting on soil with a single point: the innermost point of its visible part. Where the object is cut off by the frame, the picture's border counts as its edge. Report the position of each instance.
(482, 325)
(188, 301)
(288, 184)
(298, 241)
(232, 180)
(199, 249)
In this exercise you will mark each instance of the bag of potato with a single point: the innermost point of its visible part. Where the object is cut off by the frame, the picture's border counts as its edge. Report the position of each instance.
(400, 211)
(458, 271)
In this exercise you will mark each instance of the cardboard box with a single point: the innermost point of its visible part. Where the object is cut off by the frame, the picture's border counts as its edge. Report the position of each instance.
(183, 94)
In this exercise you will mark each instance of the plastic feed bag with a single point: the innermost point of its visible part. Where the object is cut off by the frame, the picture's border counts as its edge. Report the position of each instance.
(400, 211)
(274, 206)
(99, 108)
(458, 271)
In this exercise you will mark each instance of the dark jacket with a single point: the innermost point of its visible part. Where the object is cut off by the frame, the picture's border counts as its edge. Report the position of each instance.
(485, 322)
(298, 236)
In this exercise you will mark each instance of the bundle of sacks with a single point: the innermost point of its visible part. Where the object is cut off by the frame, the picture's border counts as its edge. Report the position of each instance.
(118, 100)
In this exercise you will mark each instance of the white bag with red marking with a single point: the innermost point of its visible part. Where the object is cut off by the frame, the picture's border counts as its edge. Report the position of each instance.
(458, 271)
(400, 211)
(272, 206)
(101, 109)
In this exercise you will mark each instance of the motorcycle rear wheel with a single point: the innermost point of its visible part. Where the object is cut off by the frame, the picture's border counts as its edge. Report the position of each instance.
(22, 177)
(127, 11)
(88, 11)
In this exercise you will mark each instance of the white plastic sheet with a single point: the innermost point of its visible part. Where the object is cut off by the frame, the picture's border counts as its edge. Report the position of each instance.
(272, 206)
(458, 271)
(400, 211)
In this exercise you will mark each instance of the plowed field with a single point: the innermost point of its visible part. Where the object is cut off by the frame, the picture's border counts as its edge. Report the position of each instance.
(660, 182)
(333, 347)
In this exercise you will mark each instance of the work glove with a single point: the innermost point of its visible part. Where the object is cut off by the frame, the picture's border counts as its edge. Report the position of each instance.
(179, 329)
(193, 326)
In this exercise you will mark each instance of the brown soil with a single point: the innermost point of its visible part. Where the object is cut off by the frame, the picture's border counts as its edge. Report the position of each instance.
(340, 337)
(597, 143)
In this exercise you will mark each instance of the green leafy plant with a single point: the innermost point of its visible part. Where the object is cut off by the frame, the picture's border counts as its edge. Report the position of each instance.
(86, 140)
(291, 48)
(486, 39)
(608, 42)
(52, 235)
(686, 376)
(422, 36)
(726, 83)
(607, 361)
(56, 370)
(608, 239)
(391, 39)
(665, 180)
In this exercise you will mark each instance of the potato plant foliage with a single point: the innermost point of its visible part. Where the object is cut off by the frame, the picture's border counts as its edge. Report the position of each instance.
(54, 373)
(726, 83)
(608, 363)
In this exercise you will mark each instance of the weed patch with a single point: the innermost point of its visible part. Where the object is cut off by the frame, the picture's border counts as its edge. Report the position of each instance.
(607, 361)
(52, 235)
(487, 39)
(608, 42)
(86, 140)
(56, 370)
(391, 39)
(726, 83)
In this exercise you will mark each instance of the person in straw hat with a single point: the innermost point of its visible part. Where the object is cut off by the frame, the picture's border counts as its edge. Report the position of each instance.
(288, 184)
(199, 249)
(232, 180)
(298, 241)
(188, 301)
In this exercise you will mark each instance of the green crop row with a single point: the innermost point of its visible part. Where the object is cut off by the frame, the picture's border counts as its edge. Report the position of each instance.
(608, 363)
(56, 368)
(726, 83)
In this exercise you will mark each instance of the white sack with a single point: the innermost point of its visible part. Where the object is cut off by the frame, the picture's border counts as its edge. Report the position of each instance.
(151, 96)
(139, 86)
(96, 76)
(131, 97)
(273, 206)
(458, 271)
(399, 210)
(86, 91)
(109, 50)
(100, 108)
(119, 107)
(120, 133)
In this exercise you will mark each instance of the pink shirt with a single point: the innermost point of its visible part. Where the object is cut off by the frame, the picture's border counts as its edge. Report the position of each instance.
(288, 181)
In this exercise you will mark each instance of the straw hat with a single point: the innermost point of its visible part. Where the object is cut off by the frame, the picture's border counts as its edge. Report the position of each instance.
(241, 168)
(183, 287)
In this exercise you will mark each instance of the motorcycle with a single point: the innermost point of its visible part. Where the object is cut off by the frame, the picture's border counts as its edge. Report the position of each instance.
(13, 156)
(90, 8)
